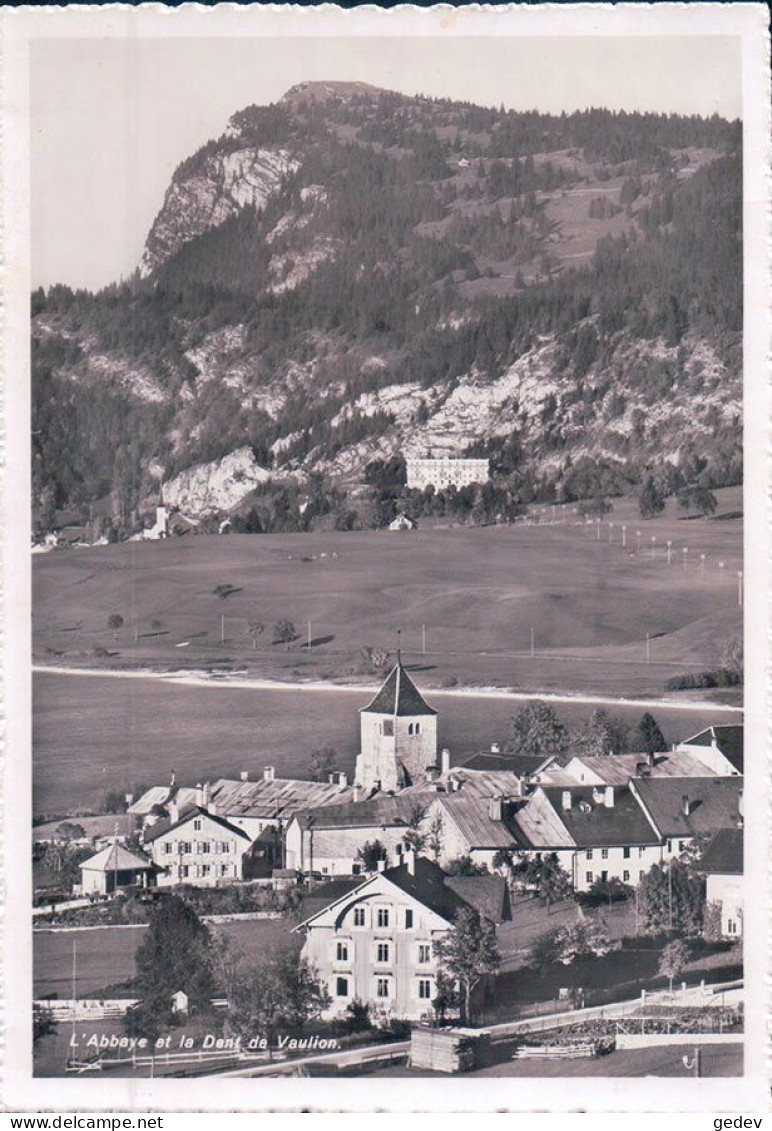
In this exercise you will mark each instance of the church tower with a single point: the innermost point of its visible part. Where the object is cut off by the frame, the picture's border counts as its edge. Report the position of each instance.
(398, 736)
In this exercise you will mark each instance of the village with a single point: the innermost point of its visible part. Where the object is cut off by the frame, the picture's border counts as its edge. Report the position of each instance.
(381, 875)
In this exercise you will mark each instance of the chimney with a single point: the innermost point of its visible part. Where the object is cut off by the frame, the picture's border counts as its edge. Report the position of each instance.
(495, 748)
(565, 799)
(174, 811)
(199, 795)
(358, 791)
(129, 799)
(685, 806)
(244, 775)
(410, 860)
(608, 799)
(380, 865)
(342, 778)
(173, 780)
(650, 759)
(269, 773)
(205, 794)
(445, 761)
(432, 773)
(332, 779)
(496, 809)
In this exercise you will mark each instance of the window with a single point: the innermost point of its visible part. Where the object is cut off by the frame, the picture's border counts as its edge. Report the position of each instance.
(626, 853)
(588, 854)
(604, 875)
(424, 988)
(424, 952)
(588, 877)
(640, 852)
(604, 853)
(670, 846)
(341, 987)
(359, 916)
(382, 987)
(225, 846)
(184, 872)
(625, 876)
(356, 869)
(383, 917)
(223, 869)
(382, 952)
(205, 869)
(410, 728)
(206, 846)
(388, 728)
(341, 952)
(168, 846)
(196, 826)
(681, 845)
(409, 919)
(731, 927)
(186, 848)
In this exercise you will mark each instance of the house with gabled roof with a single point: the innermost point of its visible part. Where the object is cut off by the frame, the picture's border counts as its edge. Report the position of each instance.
(398, 735)
(596, 832)
(376, 942)
(722, 865)
(684, 810)
(719, 747)
(198, 848)
(114, 868)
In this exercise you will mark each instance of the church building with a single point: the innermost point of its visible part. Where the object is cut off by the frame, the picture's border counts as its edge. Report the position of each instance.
(398, 736)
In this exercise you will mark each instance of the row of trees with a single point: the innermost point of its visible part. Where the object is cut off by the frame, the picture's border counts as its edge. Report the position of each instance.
(538, 730)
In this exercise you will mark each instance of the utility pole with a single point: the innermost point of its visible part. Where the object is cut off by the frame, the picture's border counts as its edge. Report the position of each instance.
(597, 526)
(423, 639)
(668, 552)
(533, 649)
(739, 587)
(653, 544)
(637, 541)
(136, 631)
(222, 628)
(648, 649)
(624, 537)
(309, 636)
(702, 567)
(686, 556)
(611, 532)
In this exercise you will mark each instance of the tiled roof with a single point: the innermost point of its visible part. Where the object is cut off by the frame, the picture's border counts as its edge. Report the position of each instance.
(590, 822)
(488, 895)
(444, 895)
(617, 769)
(380, 811)
(115, 858)
(161, 795)
(713, 803)
(520, 764)
(279, 797)
(728, 738)
(399, 696)
(162, 827)
(724, 854)
(471, 815)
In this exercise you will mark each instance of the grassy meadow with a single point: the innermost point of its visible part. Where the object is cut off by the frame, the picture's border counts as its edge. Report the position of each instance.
(189, 602)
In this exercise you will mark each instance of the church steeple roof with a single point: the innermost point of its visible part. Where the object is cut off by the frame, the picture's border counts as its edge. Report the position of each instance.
(399, 696)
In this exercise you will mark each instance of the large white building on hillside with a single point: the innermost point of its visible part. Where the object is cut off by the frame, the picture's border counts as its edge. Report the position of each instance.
(445, 472)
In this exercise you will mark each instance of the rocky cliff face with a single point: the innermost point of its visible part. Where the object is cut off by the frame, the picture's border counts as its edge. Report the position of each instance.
(219, 486)
(203, 198)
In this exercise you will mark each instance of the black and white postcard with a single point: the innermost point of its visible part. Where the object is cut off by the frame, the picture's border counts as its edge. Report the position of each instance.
(386, 558)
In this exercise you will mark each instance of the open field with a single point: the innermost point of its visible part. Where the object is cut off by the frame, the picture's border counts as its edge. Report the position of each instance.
(478, 592)
(93, 733)
(105, 957)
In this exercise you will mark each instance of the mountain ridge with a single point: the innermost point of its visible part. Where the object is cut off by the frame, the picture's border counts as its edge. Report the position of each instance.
(351, 271)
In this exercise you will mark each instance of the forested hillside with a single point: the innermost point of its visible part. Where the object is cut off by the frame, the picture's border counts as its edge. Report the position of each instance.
(352, 274)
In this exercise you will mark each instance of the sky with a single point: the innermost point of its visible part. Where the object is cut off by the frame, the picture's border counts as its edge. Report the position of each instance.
(112, 118)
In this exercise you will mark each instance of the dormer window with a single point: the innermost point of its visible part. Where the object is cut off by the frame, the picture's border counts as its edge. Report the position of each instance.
(197, 826)
(388, 728)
